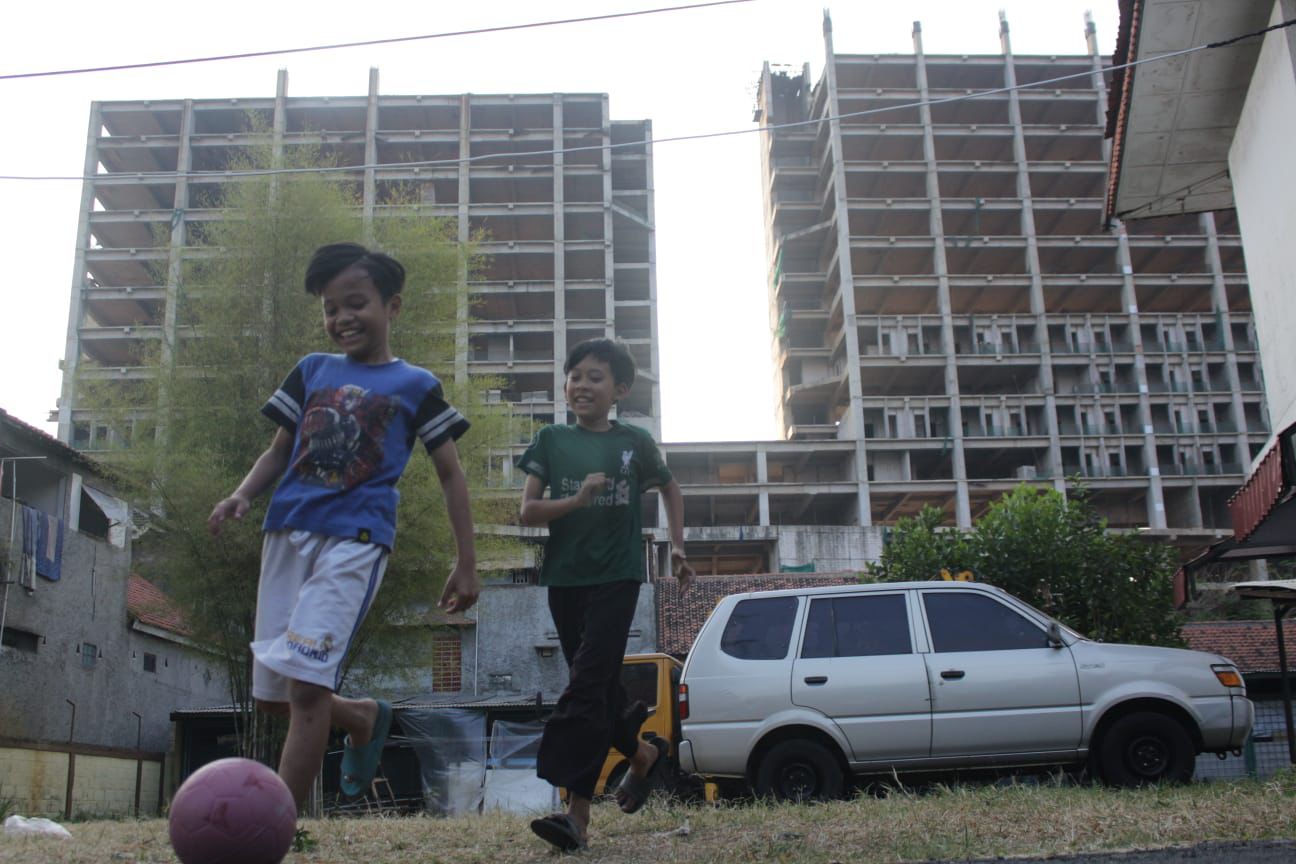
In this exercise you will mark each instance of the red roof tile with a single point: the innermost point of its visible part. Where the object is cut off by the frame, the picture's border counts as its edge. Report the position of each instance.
(1252, 645)
(44, 439)
(680, 618)
(146, 603)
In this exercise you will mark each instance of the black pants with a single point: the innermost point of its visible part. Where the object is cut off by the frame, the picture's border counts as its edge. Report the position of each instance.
(593, 623)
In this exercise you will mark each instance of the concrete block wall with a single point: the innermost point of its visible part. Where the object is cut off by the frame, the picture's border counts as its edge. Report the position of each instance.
(35, 781)
(105, 786)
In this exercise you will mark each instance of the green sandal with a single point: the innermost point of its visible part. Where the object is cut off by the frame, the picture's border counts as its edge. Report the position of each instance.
(360, 764)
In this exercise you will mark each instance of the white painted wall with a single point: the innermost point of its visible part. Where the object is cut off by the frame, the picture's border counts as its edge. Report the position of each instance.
(1262, 162)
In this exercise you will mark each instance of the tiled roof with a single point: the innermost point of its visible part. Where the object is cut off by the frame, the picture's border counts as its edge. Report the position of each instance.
(1118, 97)
(43, 439)
(680, 618)
(1252, 645)
(146, 603)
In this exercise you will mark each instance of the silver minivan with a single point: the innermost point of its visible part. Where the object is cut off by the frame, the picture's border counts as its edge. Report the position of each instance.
(795, 691)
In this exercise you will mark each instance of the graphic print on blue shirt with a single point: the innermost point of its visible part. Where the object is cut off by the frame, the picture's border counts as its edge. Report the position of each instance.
(342, 434)
(353, 427)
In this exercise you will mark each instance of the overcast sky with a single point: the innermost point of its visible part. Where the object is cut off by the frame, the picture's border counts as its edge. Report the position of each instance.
(688, 72)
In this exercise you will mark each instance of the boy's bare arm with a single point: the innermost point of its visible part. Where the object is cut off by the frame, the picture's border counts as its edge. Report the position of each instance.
(462, 587)
(673, 501)
(268, 468)
(539, 510)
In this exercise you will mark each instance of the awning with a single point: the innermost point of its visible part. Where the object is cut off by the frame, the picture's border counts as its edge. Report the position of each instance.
(115, 510)
(1263, 510)
(1173, 120)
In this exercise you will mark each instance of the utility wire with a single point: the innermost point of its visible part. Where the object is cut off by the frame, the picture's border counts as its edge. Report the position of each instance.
(391, 41)
(140, 176)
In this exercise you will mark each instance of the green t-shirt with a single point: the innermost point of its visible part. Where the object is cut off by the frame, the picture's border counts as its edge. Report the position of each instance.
(601, 542)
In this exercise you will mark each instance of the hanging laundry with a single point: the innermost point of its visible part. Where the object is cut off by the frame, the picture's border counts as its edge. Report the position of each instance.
(30, 539)
(49, 547)
(42, 547)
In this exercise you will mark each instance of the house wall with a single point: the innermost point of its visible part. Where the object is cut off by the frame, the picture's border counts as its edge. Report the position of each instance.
(831, 548)
(1264, 177)
(500, 656)
(87, 606)
(36, 782)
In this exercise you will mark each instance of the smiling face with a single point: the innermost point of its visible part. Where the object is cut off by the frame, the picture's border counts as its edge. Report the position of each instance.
(591, 392)
(357, 318)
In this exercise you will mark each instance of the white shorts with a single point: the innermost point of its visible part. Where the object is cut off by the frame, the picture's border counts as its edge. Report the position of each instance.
(313, 593)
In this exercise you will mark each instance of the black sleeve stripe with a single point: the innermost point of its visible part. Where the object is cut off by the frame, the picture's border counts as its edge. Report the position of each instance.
(452, 433)
(285, 406)
(437, 426)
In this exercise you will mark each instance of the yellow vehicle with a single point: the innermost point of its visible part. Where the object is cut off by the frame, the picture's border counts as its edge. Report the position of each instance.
(654, 680)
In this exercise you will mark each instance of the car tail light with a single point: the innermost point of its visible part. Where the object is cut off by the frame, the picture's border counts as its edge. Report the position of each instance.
(1227, 675)
(682, 702)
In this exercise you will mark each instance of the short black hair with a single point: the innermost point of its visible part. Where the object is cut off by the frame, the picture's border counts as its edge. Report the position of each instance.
(387, 274)
(611, 351)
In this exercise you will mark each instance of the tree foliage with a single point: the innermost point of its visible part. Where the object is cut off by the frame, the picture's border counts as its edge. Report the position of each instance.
(1056, 554)
(243, 320)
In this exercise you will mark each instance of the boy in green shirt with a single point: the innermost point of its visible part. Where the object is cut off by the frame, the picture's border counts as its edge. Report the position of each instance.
(596, 471)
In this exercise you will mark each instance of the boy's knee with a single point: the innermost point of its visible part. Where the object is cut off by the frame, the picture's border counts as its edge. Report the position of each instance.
(276, 709)
(305, 697)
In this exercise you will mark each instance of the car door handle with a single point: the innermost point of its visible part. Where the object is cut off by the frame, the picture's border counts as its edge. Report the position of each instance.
(815, 680)
(952, 674)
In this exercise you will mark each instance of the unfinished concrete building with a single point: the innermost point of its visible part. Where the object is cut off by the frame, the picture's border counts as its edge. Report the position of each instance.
(562, 192)
(952, 316)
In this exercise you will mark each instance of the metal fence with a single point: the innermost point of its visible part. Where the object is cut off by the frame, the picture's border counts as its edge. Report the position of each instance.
(1265, 752)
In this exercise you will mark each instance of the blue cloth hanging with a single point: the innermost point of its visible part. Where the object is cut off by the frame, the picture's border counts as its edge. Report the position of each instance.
(42, 546)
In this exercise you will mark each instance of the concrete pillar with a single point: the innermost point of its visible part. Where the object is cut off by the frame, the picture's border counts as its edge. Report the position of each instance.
(1219, 303)
(72, 344)
(962, 504)
(654, 345)
(463, 236)
(762, 479)
(609, 262)
(370, 154)
(280, 122)
(1156, 509)
(175, 264)
(560, 267)
(841, 226)
(1038, 309)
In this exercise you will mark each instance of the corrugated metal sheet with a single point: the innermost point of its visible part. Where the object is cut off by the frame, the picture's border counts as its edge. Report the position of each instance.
(1252, 503)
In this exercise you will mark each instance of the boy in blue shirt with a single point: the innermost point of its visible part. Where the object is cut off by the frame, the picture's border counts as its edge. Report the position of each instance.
(347, 425)
(596, 471)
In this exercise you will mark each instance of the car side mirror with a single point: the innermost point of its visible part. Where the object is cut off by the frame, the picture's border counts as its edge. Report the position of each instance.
(1055, 635)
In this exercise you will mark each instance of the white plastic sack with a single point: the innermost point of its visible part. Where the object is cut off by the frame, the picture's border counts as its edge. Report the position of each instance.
(519, 790)
(16, 824)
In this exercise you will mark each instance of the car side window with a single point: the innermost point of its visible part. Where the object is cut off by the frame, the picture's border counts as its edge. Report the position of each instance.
(864, 626)
(760, 628)
(640, 682)
(964, 621)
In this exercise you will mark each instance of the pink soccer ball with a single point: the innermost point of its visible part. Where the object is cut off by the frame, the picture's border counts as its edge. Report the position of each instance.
(232, 811)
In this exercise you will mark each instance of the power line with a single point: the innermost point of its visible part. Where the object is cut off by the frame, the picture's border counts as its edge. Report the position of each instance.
(390, 41)
(435, 163)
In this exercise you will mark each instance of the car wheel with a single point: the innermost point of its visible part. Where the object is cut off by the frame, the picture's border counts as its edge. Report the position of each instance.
(799, 770)
(1145, 748)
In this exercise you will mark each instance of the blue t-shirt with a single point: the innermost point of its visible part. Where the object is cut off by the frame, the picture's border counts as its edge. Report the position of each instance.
(353, 426)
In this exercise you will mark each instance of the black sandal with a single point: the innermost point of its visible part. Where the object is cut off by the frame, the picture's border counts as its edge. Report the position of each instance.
(559, 831)
(633, 791)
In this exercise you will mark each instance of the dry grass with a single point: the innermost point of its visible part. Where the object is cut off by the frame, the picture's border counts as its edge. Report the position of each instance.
(945, 823)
